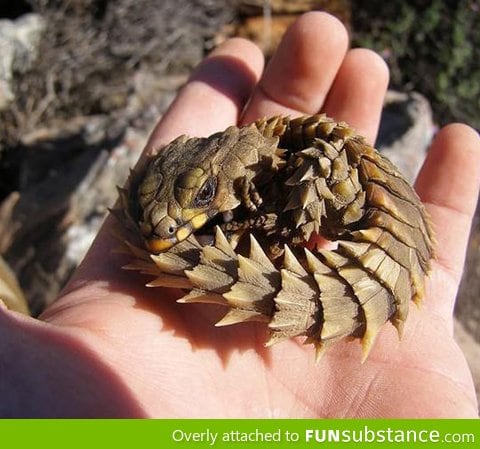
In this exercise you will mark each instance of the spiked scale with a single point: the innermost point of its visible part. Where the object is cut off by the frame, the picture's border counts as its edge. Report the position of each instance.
(275, 183)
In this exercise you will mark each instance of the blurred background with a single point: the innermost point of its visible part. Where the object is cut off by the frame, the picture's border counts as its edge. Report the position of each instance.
(82, 82)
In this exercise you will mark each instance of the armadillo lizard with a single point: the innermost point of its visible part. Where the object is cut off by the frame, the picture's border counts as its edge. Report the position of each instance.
(227, 219)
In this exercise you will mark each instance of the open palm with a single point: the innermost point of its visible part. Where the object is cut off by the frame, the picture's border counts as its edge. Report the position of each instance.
(111, 347)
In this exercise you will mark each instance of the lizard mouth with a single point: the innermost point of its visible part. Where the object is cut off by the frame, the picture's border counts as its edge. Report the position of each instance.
(159, 245)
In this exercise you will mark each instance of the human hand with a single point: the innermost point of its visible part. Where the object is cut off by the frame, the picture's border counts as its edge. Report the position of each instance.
(111, 347)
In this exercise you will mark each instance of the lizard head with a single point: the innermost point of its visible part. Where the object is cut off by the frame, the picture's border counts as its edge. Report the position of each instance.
(193, 179)
(181, 207)
(184, 187)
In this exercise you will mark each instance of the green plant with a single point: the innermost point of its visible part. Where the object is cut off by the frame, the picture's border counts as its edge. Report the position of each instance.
(432, 47)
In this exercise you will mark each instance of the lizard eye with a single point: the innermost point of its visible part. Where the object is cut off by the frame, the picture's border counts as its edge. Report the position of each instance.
(206, 193)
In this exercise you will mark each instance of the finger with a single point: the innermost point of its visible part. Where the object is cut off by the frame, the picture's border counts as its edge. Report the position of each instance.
(299, 76)
(215, 94)
(448, 184)
(358, 92)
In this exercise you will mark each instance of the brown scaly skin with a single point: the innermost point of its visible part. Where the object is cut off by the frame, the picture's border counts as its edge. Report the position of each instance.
(258, 193)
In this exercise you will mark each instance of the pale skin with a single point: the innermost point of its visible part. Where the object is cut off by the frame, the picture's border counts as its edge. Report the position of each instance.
(111, 347)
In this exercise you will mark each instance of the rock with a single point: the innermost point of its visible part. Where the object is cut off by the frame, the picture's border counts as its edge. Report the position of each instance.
(257, 7)
(467, 307)
(265, 23)
(265, 32)
(68, 182)
(406, 130)
(19, 41)
(98, 191)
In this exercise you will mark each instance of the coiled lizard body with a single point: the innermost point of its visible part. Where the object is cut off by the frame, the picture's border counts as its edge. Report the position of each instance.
(227, 219)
